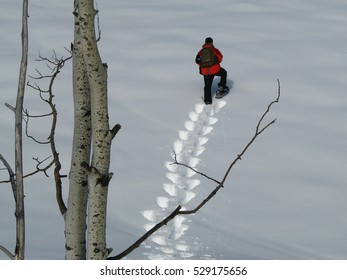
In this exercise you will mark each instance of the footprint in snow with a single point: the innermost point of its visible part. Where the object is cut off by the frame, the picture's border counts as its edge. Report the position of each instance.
(168, 242)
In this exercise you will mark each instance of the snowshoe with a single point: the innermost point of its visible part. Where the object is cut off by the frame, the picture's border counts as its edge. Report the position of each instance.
(222, 91)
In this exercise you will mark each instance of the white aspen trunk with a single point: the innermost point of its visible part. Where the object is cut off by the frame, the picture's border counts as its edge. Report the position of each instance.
(101, 135)
(20, 217)
(75, 217)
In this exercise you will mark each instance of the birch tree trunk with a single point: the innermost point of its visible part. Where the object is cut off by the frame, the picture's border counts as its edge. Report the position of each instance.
(101, 138)
(98, 169)
(75, 218)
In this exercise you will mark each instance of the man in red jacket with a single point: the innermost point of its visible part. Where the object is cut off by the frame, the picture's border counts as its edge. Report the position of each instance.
(211, 69)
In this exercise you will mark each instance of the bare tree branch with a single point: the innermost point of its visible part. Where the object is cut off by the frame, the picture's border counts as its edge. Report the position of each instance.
(13, 109)
(147, 234)
(220, 185)
(38, 169)
(258, 131)
(12, 176)
(55, 65)
(7, 252)
(13, 184)
(26, 114)
(207, 199)
(193, 169)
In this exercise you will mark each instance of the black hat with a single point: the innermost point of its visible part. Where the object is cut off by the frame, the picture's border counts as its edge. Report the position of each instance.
(208, 40)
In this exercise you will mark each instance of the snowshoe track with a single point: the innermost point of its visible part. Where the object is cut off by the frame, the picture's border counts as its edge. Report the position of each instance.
(168, 242)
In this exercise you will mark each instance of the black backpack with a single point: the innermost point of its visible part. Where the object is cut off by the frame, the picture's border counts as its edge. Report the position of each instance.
(207, 57)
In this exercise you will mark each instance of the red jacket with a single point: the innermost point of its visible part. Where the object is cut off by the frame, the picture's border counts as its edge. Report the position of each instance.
(214, 69)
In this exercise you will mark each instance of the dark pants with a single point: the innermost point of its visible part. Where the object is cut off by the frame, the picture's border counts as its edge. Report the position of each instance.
(208, 79)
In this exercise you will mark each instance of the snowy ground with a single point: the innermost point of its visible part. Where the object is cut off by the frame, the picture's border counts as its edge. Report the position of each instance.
(284, 200)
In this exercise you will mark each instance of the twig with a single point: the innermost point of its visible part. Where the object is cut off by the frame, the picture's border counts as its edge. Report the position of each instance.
(13, 109)
(12, 176)
(193, 169)
(258, 131)
(38, 169)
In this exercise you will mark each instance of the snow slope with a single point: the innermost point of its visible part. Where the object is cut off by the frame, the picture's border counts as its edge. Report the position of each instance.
(284, 200)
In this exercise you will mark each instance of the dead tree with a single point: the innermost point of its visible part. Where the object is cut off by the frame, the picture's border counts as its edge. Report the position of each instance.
(18, 182)
(55, 65)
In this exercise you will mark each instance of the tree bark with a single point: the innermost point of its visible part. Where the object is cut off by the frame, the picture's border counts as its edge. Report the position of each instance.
(98, 172)
(75, 218)
(20, 217)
